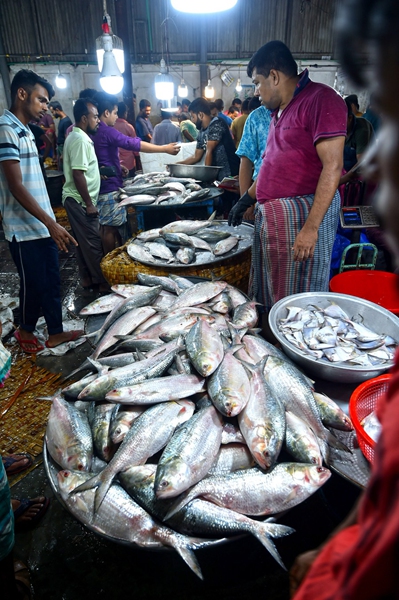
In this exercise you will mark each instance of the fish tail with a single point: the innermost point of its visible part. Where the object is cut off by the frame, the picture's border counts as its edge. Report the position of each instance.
(88, 485)
(264, 532)
(176, 506)
(106, 479)
(183, 547)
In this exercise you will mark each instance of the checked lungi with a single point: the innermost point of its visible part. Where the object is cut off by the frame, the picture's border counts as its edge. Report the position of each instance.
(274, 274)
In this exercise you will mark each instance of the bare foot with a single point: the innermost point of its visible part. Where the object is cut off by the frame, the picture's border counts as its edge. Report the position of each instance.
(65, 336)
(26, 512)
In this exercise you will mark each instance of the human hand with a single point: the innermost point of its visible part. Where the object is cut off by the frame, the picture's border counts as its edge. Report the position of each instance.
(249, 214)
(60, 235)
(125, 171)
(304, 245)
(173, 148)
(91, 210)
(299, 569)
(237, 212)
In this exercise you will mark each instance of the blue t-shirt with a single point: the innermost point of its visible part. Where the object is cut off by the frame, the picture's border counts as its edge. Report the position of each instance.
(254, 137)
(144, 128)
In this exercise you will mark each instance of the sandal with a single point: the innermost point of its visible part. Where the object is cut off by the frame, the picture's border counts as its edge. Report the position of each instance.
(22, 580)
(12, 463)
(25, 505)
(30, 346)
(77, 333)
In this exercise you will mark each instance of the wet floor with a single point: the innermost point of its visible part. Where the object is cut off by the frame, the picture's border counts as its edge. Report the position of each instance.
(69, 562)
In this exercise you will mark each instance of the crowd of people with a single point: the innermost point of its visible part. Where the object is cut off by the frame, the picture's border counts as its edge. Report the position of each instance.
(289, 154)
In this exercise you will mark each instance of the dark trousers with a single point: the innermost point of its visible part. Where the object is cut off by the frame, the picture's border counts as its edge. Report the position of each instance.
(85, 230)
(39, 275)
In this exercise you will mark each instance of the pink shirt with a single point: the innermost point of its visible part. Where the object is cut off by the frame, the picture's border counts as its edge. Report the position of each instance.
(126, 156)
(291, 166)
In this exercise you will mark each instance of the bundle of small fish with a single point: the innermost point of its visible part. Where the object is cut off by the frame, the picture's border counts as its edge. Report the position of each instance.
(329, 334)
(160, 188)
(183, 242)
(191, 388)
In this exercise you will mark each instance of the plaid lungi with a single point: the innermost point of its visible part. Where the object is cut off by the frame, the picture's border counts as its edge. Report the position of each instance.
(274, 274)
(109, 211)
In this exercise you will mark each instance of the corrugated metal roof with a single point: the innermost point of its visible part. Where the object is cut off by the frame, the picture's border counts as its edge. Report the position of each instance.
(65, 30)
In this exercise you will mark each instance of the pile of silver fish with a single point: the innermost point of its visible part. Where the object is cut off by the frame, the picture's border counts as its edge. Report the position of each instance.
(329, 334)
(182, 242)
(174, 439)
(160, 188)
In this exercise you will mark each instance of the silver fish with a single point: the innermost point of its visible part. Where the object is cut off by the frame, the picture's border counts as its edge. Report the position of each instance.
(142, 199)
(252, 492)
(99, 416)
(245, 315)
(170, 327)
(120, 360)
(185, 255)
(148, 236)
(229, 386)
(262, 420)
(199, 293)
(102, 305)
(301, 442)
(331, 414)
(139, 253)
(232, 434)
(190, 453)
(212, 235)
(160, 251)
(68, 436)
(179, 239)
(188, 227)
(149, 433)
(226, 245)
(73, 390)
(204, 347)
(159, 389)
(182, 282)
(166, 282)
(200, 244)
(232, 457)
(122, 419)
(137, 525)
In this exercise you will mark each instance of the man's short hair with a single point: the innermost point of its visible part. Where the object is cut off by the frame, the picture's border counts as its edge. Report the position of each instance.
(232, 109)
(349, 107)
(87, 93)
(273, 55)
(200, 105)
(105, 102)
(122, 109)
(254, 103)
(353, 99)
(144, 103)
(184, 116)
(245, 104)
(81, 108)
(212, 106)
(236, 101)
(55, 105)
(219, 104)
(185, 103)
(27, 80)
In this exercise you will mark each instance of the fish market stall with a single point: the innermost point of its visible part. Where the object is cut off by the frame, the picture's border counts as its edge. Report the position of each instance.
(199, 248)
(189, 427)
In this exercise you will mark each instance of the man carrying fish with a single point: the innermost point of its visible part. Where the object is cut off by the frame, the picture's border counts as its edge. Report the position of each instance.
(298, 203)
(361, 560)
(29, 224)
(107, 142)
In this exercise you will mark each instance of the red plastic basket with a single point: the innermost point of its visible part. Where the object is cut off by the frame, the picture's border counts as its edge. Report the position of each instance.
(362, 402)
(376, 286)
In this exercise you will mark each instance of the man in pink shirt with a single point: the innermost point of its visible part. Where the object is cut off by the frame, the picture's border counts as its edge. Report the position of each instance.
(298, 204)
(127, 157)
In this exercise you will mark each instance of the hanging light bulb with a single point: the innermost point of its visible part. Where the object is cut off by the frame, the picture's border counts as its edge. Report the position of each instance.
(60, 81)
(209, 90)
(205, 6)
(111, 79)
(238, 85)
(182, 90)
(117, 44)
(164, 86)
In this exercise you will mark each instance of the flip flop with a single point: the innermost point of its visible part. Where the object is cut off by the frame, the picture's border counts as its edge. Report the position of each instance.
(26, 503)
(77, 333)
(11, 461)
(22, 579)
(26, 345)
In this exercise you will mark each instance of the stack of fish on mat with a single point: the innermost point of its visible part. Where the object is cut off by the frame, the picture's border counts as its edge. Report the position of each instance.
(182, 241)
(329, 334)
(160, 188)
(189, 378)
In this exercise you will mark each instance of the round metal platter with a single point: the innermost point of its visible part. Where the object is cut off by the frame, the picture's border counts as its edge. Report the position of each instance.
(207, 259)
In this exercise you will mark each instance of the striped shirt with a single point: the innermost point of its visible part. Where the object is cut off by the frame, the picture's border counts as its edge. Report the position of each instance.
(17, 142)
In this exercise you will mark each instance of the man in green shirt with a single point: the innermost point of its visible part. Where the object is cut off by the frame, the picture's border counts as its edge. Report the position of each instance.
(189, 132)
(80, 193)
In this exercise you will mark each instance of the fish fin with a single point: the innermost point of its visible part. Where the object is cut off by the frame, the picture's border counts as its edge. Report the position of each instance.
(182, 545)
(275, 530)
(213, 215)
(260, 531)
(180, 502)
(333, 442)
(97, 365)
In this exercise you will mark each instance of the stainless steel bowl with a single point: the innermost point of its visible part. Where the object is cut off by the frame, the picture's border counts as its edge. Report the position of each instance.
(375, 317)
(200, 172)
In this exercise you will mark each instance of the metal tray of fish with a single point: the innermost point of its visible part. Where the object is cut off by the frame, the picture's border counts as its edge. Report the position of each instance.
(52, 469)
(213, 193)
(204, 258)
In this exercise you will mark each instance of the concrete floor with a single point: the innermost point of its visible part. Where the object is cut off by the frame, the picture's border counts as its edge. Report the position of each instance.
(70, 563)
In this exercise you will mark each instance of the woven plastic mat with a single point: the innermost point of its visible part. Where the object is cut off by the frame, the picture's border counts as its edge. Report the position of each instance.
(23, 418)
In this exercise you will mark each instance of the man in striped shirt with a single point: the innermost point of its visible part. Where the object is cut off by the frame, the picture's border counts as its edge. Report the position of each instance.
(29, 224)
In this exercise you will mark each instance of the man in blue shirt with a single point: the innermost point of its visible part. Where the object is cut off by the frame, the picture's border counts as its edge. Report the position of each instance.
(144, 127)
(220, 106)
(166, 132)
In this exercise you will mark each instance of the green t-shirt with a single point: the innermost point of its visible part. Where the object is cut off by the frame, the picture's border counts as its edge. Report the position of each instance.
(79, 155)
(190, 127)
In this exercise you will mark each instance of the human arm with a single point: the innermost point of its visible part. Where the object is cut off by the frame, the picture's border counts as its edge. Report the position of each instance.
(304, 561)
(193, 160)
(188, 136)
(245, 174)
(172, 148)
(13, 175)
(245, 203)
(330, 152)
(81, 185)
(210, 147)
